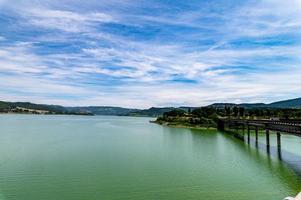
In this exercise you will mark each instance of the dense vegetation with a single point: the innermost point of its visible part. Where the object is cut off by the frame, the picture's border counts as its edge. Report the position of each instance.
(26, 107)
(200, 117)
(292, 103)
(152, 112)
(30, 108)
(103, 110)
(208, 116)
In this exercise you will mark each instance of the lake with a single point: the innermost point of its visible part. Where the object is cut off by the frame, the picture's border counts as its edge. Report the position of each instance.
(128, 158)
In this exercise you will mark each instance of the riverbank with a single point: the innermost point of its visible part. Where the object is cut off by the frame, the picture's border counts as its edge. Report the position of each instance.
(48, 113)
(183, 125)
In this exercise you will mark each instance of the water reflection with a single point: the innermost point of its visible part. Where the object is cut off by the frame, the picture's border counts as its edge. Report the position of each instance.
(277, 159)
(291, 159)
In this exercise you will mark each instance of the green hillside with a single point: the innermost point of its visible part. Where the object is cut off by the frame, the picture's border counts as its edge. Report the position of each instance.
(27, 107)
(293, 103)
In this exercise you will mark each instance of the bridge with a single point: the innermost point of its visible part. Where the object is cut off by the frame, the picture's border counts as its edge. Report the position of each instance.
(279, 127)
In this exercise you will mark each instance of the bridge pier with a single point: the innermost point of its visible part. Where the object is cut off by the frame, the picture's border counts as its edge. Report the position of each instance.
(256, 134)
(237, 127)
(278, 140)
(267, 133)
(243, 129)
(248, 134)
(292, 127)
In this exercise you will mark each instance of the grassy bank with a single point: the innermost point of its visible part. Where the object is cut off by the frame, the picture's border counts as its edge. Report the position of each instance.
(178, 124)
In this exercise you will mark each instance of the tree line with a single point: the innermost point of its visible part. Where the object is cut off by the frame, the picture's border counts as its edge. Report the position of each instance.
(237, 112)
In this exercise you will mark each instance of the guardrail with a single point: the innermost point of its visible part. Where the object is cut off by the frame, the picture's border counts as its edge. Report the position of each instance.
(292, 127)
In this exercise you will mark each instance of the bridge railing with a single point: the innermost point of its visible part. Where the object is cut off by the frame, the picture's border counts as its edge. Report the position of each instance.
(287, 126)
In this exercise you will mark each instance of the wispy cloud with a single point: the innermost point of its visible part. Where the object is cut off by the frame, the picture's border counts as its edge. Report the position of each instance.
(65, 20)
(150, 54)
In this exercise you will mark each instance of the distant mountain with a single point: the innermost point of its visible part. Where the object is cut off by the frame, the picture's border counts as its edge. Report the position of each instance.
(245, 105)
(223, 105)
(293, 103)
(119, 111)
(152, 112)
(31, 108)
(103, 110)
(27, 107)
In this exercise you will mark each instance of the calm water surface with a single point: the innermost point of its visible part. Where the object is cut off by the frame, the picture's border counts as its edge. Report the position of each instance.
(106, 158)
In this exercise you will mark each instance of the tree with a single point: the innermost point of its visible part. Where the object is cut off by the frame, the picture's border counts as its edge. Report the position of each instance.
(241, 111)
(204, 112)
(227, 111)
(174, 113)
(235, 111)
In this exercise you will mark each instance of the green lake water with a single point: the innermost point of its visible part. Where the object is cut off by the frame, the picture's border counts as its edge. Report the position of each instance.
(108, 158)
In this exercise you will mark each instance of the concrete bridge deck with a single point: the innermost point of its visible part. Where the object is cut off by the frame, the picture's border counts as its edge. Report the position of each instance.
(279, 127)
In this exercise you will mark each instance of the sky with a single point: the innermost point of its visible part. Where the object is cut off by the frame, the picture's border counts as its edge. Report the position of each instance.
(144, 53)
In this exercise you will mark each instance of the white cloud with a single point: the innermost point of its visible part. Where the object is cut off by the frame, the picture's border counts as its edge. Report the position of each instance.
(65, 20)
(18, 59)
(266, 18)
(145, 89)
(143, 72)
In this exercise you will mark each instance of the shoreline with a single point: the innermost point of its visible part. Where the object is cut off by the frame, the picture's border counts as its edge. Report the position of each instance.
(42, 114)
(183, 126)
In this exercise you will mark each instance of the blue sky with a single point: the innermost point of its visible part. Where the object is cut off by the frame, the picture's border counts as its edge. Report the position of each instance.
(147, 53)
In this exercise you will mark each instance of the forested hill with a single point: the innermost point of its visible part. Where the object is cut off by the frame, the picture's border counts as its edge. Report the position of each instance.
(27, 107)
(292, 103)
(103, 110)
(31, 108)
